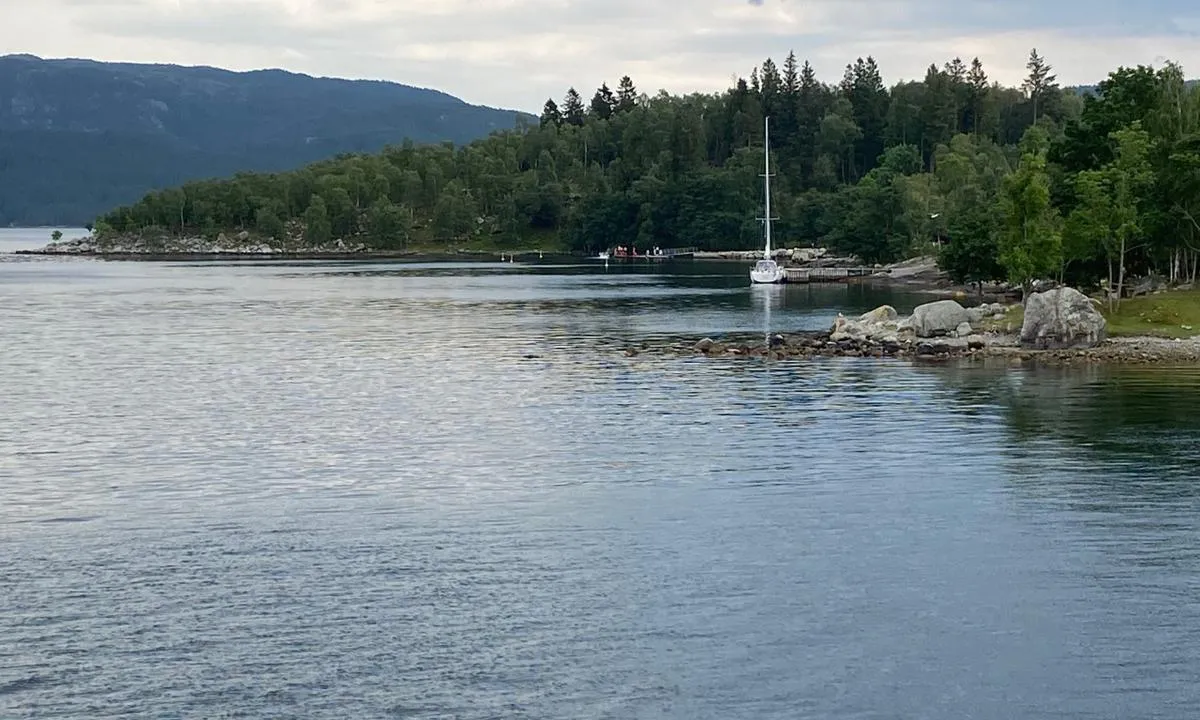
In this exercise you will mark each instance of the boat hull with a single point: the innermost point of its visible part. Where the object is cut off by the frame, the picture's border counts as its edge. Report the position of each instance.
(766, 272)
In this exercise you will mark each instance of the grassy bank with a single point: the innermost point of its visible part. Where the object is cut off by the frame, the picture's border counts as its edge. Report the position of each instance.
(1170, 315)
(1166, 315)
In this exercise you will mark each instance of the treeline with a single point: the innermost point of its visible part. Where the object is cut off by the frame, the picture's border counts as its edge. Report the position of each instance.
(1011, 183)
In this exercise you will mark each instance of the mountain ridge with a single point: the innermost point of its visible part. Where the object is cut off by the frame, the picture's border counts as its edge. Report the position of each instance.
(150, 126)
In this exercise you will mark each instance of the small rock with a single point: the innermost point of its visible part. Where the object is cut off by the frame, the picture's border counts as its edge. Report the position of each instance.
(963, 330)
(705, 345)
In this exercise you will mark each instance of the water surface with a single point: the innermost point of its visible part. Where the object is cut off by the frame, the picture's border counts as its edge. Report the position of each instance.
(421, 490)
(14, 239)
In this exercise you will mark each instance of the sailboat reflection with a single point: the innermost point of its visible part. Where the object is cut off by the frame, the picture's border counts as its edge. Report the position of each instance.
(767, 297)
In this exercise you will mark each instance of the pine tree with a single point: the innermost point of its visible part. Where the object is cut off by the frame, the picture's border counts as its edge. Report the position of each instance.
(863, 86)
(771, 87)
(626, 95)
(572, 108)
(603, 102)
(939, 111)
(956, 70)
(789, 101)
(977, 90)
(791, 76)
(809, 111)
(550, 114)
(1039, 82)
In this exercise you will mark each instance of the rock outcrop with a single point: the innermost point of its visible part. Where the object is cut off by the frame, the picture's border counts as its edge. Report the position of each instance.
(1062, 319)
(878, 325)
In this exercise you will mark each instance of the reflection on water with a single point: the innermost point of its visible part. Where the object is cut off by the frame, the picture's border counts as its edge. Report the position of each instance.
(439, 490)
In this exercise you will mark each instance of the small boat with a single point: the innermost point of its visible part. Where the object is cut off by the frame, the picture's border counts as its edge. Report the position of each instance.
(603, 255)
(767, 271)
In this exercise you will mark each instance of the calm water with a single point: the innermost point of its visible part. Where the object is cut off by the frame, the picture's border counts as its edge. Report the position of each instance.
(442, 491)
(13, 239)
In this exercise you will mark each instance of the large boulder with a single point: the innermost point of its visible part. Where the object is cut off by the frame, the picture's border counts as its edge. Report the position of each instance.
(938, 318)
(1061, 318)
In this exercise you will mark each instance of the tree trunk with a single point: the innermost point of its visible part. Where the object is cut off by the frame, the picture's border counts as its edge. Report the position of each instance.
(1121, 275)
(1109, 289)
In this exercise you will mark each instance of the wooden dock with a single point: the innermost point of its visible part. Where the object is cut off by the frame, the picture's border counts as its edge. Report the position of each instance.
(830, 274)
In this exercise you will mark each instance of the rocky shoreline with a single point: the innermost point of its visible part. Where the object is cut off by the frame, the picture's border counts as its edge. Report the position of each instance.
(239, 246)
(1059, 327)
(991, 346)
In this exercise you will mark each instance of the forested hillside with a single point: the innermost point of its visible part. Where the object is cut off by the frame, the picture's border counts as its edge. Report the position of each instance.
(1013, 183)
(78, 137)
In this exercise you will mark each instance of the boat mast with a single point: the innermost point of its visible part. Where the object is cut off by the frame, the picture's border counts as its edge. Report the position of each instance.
(767, 183)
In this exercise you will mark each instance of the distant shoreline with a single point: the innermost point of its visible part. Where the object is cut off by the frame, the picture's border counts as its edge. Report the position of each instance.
(178, 256)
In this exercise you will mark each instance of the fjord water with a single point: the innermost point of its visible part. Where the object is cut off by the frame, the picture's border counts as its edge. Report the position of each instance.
(439, 490)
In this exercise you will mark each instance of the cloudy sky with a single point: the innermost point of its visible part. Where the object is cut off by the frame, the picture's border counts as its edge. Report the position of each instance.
(516, 53)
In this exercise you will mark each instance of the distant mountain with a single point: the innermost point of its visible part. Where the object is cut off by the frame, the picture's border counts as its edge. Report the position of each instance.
(79, 137)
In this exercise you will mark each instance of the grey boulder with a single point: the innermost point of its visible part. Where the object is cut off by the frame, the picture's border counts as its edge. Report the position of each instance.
(938, 318)
(1060, 319)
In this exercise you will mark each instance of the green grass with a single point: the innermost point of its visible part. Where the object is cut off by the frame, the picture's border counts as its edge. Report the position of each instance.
(1014, 316)
(1170, 314)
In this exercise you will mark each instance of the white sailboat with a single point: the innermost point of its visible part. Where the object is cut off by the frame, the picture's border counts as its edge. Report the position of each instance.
(767, 270)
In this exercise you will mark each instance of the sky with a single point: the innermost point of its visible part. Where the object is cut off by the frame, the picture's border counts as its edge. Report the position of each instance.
(516, 53)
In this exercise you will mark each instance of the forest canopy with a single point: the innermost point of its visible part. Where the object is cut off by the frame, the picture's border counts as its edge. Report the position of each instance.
(1004, 183)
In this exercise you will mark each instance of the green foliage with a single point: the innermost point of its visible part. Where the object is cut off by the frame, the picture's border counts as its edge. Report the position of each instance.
(1030, 242)
(317, 228)
(56, 235)
(388, 226)
(269, 224)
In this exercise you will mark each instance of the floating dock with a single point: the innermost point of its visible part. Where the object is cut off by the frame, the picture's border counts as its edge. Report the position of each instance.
(830, 274)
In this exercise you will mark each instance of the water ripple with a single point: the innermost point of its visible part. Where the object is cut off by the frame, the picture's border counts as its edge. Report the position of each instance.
(436, 490)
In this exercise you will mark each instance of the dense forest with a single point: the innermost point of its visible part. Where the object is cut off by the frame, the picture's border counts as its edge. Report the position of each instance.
(78, 137)
(1005, 183)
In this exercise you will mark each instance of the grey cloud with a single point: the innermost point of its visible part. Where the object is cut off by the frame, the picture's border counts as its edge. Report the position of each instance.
(518, 52)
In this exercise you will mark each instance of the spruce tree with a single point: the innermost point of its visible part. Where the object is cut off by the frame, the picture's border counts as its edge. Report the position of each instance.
(1039, 82)
(572, 108)
(603, 102)
(626, 95)
(550, 114)
(977, 90)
